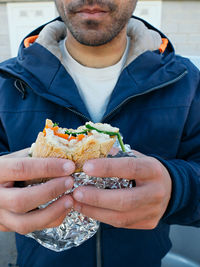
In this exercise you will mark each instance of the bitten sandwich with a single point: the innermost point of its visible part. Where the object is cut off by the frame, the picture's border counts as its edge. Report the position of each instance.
(90, 141)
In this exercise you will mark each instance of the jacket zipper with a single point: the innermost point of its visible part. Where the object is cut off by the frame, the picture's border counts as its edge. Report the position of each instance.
(98, 248)
(148, 91)
(78, 113)
(131, 97)
(121, 104)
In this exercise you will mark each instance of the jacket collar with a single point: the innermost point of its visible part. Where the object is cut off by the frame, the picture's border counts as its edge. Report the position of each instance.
(141, 38)
(47, 77)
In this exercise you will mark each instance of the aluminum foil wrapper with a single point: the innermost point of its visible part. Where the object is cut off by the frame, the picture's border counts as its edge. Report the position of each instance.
(77, 228)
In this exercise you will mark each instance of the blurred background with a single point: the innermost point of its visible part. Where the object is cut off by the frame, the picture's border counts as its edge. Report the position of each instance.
(178, 19)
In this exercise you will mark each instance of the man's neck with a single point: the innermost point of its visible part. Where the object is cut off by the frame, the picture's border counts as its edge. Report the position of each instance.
(97, 56)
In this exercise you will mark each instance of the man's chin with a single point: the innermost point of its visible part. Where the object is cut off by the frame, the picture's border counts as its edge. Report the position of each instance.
(92, 39)
(92, 43)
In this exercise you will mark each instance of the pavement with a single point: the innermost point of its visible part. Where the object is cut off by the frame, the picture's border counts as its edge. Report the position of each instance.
(8, 252)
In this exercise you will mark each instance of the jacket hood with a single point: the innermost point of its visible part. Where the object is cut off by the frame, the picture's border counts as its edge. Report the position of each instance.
(147, 68)
(141, 38)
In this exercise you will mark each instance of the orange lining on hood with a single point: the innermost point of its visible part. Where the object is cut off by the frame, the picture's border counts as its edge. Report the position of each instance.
(164, 44)
(30, 40)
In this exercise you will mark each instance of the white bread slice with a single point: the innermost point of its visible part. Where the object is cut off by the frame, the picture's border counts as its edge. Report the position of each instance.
(92, 146)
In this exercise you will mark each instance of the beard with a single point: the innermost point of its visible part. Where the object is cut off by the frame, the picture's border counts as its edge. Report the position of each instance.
(95, 32)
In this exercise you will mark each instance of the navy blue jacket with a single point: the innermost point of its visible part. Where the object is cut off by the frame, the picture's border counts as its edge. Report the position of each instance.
(156, 105)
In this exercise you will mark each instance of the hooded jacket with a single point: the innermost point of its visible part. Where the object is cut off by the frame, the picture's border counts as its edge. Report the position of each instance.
(155, 103)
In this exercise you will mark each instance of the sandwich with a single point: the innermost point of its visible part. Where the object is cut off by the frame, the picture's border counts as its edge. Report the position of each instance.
(90, 141)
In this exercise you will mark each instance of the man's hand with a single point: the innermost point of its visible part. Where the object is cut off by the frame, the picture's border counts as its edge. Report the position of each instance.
(19, 206)
(140, 207)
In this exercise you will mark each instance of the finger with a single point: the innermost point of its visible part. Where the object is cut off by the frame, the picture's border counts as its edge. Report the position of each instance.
(37, 219)
(58, 221)
(143, 168)
(143, 225)
(118, 199)
(17, 154)
(110, 217)
(20, 169)
(21, 200)
(138, 154)
(143, 218)
(146, 218)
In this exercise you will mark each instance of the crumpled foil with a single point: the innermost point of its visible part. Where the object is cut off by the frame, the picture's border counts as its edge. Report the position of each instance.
(77, 228)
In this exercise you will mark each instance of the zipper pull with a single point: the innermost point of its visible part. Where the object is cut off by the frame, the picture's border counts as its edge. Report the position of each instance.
(21, 87)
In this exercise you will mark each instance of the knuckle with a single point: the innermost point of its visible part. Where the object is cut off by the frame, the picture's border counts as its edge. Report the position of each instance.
(159, 195)
(18, 168)
(16, 204)
(93, 196)
(152, 219)
(126, 221)
(22, 228)
(17, 207)
(122, 203)
(21, 231)
(47, 167)
(157, 168)
(120, 222)
(54, 189)
(54, 193)
(151, 225)
(107, 168)
(132, 167)
(96, 200)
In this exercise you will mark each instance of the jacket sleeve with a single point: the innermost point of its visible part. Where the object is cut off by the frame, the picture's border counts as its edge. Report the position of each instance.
(184, 206)
(4, 148)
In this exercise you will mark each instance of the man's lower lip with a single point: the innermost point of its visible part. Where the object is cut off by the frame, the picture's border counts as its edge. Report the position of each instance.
(91, 15)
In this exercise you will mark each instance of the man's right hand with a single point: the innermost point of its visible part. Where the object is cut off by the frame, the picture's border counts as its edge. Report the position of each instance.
(19, 206)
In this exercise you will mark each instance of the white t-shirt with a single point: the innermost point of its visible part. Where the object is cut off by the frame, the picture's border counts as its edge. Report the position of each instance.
(95, 85)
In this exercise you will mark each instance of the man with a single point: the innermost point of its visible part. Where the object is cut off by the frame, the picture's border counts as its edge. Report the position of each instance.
(100, 64)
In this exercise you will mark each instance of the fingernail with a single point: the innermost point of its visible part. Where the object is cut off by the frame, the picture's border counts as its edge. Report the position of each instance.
(68, 204)
(68, 167)
(78, 195)
(68, 184)
(88, 167)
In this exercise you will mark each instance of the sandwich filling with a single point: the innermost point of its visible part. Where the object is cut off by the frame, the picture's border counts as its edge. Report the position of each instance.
(90, 141)
(69, 139)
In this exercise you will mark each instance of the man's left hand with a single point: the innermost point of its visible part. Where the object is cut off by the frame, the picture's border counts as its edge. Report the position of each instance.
(140, 207)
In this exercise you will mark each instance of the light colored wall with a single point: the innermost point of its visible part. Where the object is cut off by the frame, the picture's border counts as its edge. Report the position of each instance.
(24, 18)
(150, 11)
(181, 23)
(4, 37)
